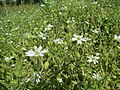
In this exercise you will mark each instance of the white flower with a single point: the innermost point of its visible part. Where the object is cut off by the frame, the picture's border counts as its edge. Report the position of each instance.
(35, 77)
(30, 53)
(49, 26)
(60, 80)
(37, 52)
(93, 59)
(58, 40)
(28, 80)
(79, 39)
(97, 76)
(43, 36)
(117, 37)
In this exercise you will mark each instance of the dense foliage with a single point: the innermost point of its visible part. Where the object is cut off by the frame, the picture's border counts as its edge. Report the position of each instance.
(62, 45)
(18, 2)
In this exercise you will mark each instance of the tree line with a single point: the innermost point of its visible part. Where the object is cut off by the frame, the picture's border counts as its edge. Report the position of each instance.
(18, 2)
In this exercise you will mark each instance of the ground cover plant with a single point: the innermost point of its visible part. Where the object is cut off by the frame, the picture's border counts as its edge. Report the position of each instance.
(60, 45)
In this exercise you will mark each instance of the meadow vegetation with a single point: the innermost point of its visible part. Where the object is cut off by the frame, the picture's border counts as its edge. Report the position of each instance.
(60, 45)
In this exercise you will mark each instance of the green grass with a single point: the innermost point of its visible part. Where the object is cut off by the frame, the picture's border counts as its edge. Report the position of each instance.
(65, 66)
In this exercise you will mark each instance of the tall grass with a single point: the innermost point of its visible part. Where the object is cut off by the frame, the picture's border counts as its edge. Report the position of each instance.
(63, 45)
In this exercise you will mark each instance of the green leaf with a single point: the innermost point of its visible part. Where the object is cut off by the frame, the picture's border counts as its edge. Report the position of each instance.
(46, 65)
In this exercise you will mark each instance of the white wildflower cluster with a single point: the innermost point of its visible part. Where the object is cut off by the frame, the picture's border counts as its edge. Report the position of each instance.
(79, 39)
(37, 52)
(93, 59)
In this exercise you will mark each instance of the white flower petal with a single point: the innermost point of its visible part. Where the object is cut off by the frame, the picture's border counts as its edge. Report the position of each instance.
(37, 80)
(74, 39)
(30, 53)
(75, 35)
(88, 56)
(96, 57)
(40, 48)
(35, 48)
(79, 42)
(41, 54)
(97, 76)
(28, 80)
(44, 51)
(90, 60)
(82, 39)
(79, 39)
(95, 61)
(97, 54)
